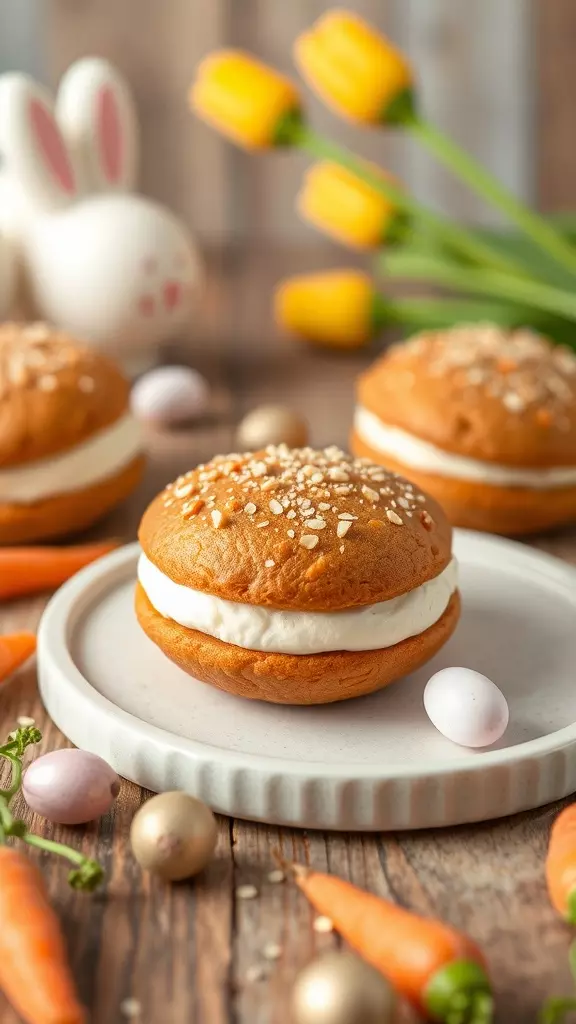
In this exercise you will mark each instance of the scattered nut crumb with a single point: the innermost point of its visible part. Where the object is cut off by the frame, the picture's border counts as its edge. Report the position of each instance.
(323, 925)
(250, 508)
(272, 951)
(291, 534)
(276, 876)
(130, 1008)
(394, 517)
(275, 507)
(426, 520)
(246, 892)
(25, 722)
(343, 527)
(309, 541)
(265, 523)
(269, 563)
(257, 972)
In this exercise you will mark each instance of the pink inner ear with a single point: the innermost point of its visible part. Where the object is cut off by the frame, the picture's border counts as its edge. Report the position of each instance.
(51, 146)
(109, 134)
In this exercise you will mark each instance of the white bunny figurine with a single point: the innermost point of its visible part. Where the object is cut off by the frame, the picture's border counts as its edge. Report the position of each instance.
(97, 260)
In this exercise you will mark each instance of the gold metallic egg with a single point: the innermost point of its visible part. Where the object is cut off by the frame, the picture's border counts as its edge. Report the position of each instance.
(173, 835)
(339, 988)
(271, 424)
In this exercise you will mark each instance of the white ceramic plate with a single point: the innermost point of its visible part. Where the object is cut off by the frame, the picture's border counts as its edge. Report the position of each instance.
(375, 763)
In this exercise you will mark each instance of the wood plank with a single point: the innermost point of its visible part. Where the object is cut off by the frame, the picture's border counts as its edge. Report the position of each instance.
(555, 33)
(157, 47)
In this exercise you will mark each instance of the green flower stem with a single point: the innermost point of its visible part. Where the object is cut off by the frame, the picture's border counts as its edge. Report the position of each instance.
(403, 264)
(554, 1010)
(455, 237)
(438, 313)
(16, 775)
(50, 846)
(478, 178)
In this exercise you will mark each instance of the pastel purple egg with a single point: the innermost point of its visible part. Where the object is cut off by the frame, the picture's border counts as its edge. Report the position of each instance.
(70, 786)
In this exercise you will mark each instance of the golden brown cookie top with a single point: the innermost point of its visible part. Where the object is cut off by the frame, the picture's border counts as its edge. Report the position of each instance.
(478, 390)
(296, 528)
(54, 392)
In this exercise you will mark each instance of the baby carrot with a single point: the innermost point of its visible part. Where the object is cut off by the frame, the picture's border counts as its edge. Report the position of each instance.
(30, 570)
(435, 967)
(561, 864)
(34, 971)
(15, 649)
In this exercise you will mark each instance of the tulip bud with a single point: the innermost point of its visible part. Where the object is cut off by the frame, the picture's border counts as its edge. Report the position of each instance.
(246, 100)
(341, 204)
(356, 70)
(334, 308)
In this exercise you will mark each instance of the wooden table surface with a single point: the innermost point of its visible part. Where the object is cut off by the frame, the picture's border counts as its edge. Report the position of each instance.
(183, 954)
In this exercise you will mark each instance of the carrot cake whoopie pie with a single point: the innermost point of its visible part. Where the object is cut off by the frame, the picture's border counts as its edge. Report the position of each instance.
(69, 448)
(483, 419)
(296, 576)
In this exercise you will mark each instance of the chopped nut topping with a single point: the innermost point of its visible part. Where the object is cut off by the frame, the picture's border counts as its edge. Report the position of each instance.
(308, 541)
(269, 563)
(275, 507)
(343, 527)
(370, 494)
(394, 517)
(265, 523)
(250, 508)
(217, 518)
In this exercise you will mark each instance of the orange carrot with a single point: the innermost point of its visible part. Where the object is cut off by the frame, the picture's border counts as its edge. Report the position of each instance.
(15, 649)
(435, 967)
(30, 570)
(561, 864)
(34, 971)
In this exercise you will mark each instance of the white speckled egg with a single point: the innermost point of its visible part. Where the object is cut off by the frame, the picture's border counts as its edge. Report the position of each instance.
(70, 786)
(466, 707)
(170, 395)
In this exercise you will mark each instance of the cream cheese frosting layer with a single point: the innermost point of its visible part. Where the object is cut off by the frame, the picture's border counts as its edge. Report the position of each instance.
(293, 632)
(101, 456)
(417, 454)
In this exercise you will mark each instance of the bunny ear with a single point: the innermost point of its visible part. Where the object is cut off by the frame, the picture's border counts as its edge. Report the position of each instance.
(31, 143)
(96, 114)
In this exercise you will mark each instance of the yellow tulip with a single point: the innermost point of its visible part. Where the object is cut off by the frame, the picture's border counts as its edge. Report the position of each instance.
(334, 308)
(355, 69)
(244, 99)
(339, 203)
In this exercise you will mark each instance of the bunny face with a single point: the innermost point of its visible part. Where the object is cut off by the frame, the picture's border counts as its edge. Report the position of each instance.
(100, 262)
(119, 270)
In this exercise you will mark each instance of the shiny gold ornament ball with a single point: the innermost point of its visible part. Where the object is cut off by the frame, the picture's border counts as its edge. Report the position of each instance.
(173, 835)
(271, 424)
(339, 988)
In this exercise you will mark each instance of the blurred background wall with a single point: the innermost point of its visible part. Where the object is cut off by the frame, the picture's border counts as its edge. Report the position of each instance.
(499, 75)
